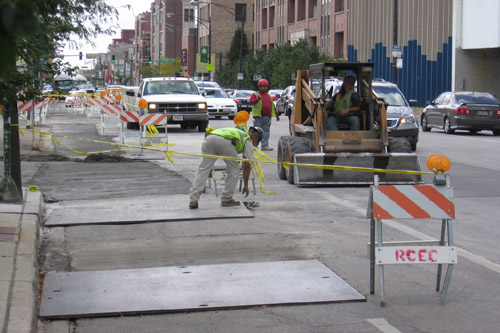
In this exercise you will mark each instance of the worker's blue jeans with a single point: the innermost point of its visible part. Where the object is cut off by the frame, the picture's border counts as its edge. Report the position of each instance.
(264, 122)
(352, 121)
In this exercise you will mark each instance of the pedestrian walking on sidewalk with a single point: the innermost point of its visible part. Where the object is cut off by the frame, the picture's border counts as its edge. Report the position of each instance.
(263, 110)
(228, 142)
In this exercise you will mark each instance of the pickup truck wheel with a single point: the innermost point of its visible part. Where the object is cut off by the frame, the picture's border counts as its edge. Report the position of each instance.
(230, 117)
(202, 126)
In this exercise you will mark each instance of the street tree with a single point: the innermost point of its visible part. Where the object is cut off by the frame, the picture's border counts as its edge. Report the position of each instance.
(31, 34)
(276, 65)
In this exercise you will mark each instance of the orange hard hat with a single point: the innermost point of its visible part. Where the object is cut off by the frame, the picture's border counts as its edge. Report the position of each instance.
(241, 118)
(262, 82)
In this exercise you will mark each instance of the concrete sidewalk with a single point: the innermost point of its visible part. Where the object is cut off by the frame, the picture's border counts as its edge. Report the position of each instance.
(19, 262)
(19, 258)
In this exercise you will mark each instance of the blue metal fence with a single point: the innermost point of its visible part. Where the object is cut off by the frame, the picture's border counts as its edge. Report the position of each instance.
(420, 78)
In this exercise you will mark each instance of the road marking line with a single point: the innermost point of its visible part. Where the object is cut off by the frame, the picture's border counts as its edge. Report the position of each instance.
(383, 325)
(477, 259)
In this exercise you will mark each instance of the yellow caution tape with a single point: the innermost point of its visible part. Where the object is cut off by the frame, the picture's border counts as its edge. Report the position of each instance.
(260, 156)
(33, 188)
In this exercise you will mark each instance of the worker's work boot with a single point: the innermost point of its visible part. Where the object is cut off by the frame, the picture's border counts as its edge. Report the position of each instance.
(230, 203)
(193, 204)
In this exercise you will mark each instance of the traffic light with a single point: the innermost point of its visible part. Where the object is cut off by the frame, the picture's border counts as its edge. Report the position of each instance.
(113, 58)
(80, 55)
(149, 61)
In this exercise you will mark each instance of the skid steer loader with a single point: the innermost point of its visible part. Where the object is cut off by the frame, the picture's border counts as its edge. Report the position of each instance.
(312, 144)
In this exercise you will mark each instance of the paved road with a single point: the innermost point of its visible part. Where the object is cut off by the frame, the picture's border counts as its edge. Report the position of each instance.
(327, 223)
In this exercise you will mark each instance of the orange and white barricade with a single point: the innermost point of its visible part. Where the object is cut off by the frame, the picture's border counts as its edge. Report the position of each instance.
(110, 111)
(432, 202)
(93, 105)
(149, 132)
(126, 117)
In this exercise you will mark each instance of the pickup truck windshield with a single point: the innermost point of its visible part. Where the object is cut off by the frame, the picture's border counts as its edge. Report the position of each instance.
(170, 87)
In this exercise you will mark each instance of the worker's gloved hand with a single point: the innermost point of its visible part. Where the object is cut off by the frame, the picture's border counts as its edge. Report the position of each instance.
(246, 191)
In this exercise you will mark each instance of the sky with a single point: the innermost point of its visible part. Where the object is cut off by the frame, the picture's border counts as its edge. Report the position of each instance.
(126, 20)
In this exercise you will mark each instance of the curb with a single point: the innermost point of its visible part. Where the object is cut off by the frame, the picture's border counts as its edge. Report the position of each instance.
(19, 276)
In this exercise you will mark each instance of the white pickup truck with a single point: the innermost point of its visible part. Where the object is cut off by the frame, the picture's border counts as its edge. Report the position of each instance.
(178, 97)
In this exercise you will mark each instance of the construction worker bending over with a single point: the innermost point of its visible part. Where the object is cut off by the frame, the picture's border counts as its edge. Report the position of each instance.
(344, 107)
(226, 142)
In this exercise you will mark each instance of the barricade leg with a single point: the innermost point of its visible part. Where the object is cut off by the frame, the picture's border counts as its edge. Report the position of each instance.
(372, 256)
(440, 266)
(380, 267)
(449, 270)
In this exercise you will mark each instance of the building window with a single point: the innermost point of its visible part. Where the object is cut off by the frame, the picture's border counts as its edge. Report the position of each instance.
(271, 16)
(301, 13)
(240, 11)
(339, 6)
(313, 9)
(291, 11)
(338, 51)
(188, 15)
(264, 18)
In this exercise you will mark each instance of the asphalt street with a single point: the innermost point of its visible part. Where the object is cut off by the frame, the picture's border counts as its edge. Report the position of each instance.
(291, 223)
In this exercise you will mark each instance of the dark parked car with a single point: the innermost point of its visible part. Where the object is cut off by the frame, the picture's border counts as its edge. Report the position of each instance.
(285, 102)
(401, 121)
(242, 99)
(463, 110)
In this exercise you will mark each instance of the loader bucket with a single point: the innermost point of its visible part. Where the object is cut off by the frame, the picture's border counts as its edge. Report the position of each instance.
(389, 161)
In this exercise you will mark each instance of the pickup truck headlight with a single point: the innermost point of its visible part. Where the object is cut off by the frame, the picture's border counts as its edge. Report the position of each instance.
(202, 106)
(152, 106)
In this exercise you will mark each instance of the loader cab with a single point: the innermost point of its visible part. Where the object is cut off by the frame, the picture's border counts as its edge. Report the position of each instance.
(326, 81)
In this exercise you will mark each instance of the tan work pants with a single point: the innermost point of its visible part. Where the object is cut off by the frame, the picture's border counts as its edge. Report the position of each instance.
(216, 145)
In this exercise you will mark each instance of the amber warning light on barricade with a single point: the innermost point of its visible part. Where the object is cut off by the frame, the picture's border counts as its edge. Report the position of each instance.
(118, 97)
(438, 163)
(143, 103)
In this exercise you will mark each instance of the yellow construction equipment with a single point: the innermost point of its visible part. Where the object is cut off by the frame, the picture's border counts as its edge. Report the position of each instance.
(311, 143)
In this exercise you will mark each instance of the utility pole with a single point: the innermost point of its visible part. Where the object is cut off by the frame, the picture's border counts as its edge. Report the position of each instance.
(10, 186)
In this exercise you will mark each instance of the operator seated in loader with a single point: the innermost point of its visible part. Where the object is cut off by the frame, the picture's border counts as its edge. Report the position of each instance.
(344, 107)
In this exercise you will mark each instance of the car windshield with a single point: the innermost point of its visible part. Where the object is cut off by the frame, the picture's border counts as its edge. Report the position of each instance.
(170, 87)
(245, 94)
(391, 95)
(477, 98)
(215, 94)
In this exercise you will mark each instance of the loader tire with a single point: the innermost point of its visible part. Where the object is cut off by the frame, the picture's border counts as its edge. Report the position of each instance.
(282, 144)
(295, 145)
(399, 145)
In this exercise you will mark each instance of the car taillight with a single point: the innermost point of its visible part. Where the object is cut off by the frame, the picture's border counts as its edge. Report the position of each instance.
(275, 98)
(237, 100)
(462, 111)
(497, 113)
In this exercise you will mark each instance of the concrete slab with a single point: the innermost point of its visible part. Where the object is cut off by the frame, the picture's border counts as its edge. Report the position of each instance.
(172, 289)
(144, 209)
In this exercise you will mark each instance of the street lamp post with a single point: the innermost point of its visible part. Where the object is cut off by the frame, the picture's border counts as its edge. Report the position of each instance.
(233, 13)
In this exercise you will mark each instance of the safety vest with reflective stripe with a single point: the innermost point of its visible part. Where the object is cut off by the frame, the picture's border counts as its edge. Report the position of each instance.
(343, 103)
(257, 108)
(240, 138)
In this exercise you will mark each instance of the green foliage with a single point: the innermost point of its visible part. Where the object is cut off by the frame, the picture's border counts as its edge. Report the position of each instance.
(149, 71)
(233, 55)
(276, 65)
(32, 32)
